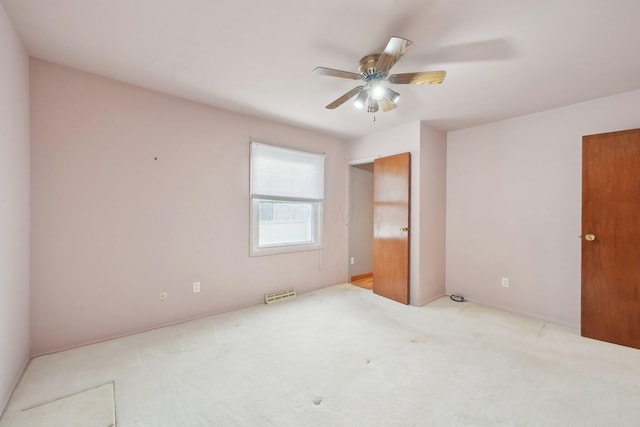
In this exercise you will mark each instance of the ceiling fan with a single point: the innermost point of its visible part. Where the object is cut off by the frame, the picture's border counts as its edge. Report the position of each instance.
(374, 72)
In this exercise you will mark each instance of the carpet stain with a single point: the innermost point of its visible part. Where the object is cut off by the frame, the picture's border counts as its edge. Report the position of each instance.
(67, 396)
(541, 331)
(94, 406)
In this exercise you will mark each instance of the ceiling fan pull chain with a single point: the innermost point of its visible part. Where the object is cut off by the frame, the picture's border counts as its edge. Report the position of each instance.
(374, 117)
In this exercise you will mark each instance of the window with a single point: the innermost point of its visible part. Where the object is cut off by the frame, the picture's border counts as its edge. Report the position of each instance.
(287, 197)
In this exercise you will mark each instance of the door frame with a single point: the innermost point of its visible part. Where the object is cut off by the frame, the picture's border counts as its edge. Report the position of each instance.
(413, 241)
(350, 164)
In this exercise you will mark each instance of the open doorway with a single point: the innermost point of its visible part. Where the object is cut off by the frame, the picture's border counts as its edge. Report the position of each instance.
(379, 232)
(361, 225)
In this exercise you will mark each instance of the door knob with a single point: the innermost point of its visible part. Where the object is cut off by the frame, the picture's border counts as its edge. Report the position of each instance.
(590, 237)
(404, 228)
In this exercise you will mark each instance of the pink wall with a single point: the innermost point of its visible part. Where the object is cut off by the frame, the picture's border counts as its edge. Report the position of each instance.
(14, 208)
(113, 227)
(514, 206)
(433, 201)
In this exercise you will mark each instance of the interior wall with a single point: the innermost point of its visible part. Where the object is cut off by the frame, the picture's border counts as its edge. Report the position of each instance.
(433, 202)
(136, 193)
(14, 208)
(398, 140)
(361, 221)
(514, 206)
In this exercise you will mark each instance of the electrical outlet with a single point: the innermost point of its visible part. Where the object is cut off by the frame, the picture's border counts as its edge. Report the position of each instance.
(196, 287)
(353, 260)
(505, 282)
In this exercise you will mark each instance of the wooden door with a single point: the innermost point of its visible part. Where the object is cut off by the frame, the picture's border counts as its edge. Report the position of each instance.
(611, 237)
(391, 204)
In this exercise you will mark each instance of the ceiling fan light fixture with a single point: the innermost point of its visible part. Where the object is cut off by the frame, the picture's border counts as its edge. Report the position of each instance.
(391, 95)
(377, 90)
(361, 99)
(373, 106)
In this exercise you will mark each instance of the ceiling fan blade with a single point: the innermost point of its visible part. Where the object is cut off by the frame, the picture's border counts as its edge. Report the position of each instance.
(344, 98)
(387, 104)
(392, 53)
(423, 78)
(323, 71)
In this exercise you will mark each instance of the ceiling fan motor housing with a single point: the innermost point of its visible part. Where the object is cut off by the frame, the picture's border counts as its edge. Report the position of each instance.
(368, 65)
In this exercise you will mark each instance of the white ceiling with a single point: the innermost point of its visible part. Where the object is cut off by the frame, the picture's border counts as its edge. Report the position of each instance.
(504, 58)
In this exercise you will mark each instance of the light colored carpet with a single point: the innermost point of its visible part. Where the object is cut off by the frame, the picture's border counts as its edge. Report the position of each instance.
(88, 408)
(343, 356)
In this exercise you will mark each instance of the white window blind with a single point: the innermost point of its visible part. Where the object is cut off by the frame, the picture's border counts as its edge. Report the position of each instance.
(284, 174)
(287, 198)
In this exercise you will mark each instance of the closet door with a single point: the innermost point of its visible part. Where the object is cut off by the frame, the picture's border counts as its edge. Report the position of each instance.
(611, 237)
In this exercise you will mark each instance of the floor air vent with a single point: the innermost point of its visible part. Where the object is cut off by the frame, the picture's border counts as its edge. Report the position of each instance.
(272, 297)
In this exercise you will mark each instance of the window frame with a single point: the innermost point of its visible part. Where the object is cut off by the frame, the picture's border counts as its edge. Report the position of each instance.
(256, 199)
(318, 225)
